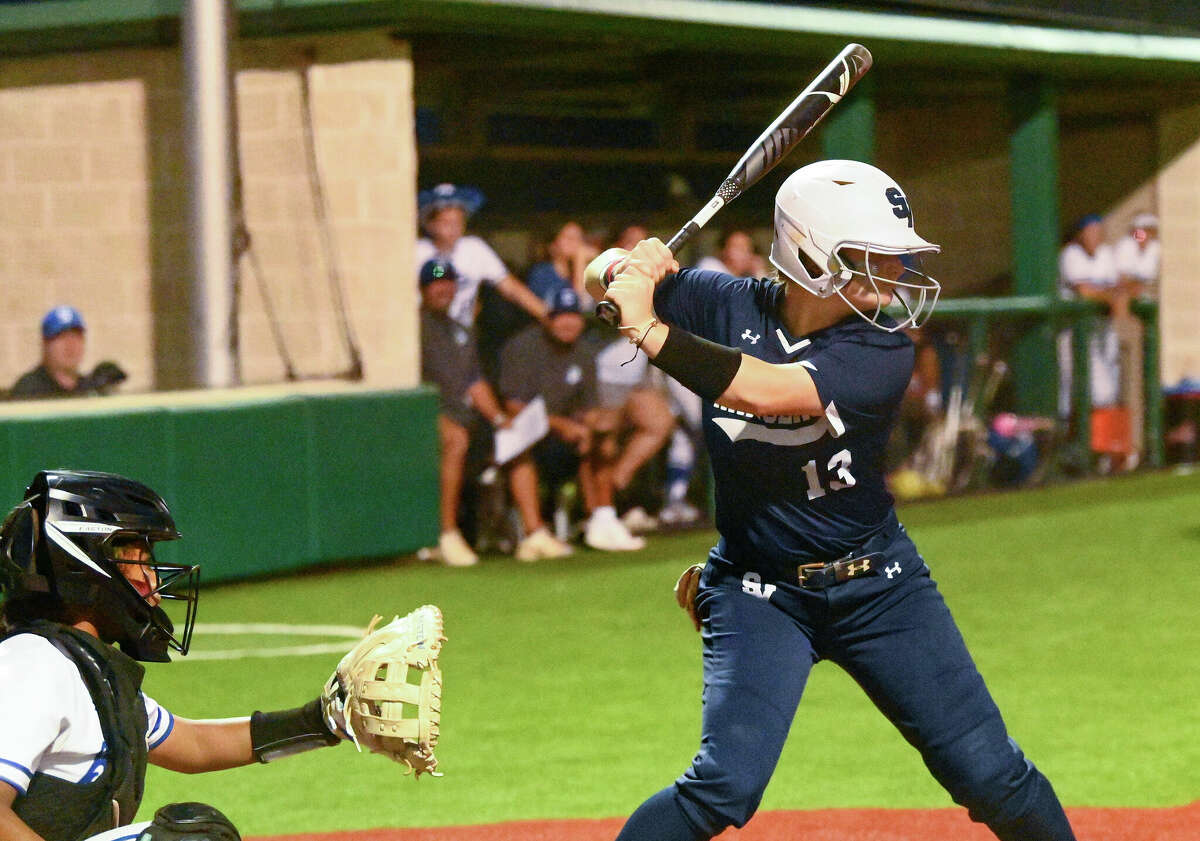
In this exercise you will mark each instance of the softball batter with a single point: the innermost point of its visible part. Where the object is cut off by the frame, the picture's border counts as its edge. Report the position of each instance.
(801, 376)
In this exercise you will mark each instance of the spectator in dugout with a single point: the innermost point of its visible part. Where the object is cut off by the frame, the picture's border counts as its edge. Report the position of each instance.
(550, 361)
(444, 212)
(737, 256)
(1139, 255)
(1088, 270)
(635, 406)
(59, 374)
(567, 254)
(468, 407)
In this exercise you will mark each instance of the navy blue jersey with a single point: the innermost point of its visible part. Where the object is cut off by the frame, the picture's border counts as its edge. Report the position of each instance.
(794, 489)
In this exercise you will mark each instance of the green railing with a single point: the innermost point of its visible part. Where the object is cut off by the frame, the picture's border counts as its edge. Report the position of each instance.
(980, 315)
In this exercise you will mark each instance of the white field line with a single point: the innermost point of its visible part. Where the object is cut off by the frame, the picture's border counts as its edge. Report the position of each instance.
(345, 632)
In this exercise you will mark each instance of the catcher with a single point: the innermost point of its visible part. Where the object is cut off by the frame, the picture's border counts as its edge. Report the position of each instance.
(79, 579)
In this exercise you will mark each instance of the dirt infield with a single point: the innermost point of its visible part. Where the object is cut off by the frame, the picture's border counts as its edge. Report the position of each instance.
(1181, 823)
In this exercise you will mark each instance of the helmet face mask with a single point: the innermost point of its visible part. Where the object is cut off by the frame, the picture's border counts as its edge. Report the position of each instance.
(65, 551)
(161, 582)
(911, 289)
(829, 208)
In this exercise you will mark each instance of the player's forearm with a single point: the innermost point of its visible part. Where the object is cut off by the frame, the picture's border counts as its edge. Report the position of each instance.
(755, 386)
(762, 388)
(13, 828)
(209, 745)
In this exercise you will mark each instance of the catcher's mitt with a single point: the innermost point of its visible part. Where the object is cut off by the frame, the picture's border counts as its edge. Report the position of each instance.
(386, 693)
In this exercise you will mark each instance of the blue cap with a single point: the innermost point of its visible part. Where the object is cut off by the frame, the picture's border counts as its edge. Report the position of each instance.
(1089, 219)
(564, 299)
(437, 269)
(60, 319)
(470, 199)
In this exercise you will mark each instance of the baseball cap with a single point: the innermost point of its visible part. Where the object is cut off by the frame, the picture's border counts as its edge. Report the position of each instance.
(563, 300)
(437, 269)
(60, 319)
(1144, 220)
(470, 199)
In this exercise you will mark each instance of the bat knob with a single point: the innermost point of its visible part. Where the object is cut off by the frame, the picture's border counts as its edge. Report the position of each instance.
(609, 313)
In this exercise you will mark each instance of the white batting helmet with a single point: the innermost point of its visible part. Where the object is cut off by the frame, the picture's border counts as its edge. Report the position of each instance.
(830, 205)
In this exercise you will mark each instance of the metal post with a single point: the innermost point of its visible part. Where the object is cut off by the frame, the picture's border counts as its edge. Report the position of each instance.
(849, 130)
(1152, 436)
(210, 187)
(1033, 170)
(1081, 381)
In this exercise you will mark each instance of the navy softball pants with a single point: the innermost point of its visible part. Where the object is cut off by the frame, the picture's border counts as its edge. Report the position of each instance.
(897, 639)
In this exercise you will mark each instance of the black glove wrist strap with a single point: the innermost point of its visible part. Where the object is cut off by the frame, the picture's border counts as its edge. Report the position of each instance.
(277, 734)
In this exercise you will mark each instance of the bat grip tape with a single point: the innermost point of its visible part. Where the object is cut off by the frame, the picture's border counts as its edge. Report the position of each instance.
(699, 365)
(274, 735)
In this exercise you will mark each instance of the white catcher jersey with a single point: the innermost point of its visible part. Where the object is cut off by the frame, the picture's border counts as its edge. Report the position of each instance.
(47, 720)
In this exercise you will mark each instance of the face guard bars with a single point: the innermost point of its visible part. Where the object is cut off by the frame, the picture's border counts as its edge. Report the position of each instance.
(176, 582)
(915, 291)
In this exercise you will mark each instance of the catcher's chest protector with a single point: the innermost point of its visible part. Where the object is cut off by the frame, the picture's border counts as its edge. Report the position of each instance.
(61, 811)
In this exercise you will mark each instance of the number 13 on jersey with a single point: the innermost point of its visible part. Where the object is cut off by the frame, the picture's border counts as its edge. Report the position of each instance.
(838, 472)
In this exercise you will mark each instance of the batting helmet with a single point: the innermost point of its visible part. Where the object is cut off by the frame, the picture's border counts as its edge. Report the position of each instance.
(829, 206)
(58, 558)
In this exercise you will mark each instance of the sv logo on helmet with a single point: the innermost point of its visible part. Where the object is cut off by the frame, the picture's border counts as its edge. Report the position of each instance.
(899, 204)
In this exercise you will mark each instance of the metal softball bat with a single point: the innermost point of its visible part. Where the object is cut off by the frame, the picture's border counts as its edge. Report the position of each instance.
(788, 129)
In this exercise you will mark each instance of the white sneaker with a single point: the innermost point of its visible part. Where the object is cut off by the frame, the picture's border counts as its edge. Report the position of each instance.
(455, 551)
(540, 545)
(610, 535)
(679, 513)
(637, 521)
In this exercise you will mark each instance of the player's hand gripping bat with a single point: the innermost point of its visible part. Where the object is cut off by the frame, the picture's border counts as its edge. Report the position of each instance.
(789, 128)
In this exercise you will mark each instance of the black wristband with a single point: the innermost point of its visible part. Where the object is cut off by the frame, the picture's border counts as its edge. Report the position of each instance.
(699, 365)
(283, 733)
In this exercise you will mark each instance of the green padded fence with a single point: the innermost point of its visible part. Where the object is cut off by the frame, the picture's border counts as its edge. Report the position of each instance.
(257, 485)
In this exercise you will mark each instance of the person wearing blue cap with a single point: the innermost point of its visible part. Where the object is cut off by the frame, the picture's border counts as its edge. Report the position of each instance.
(467, 409)
(1087, 269)
(443, 212)
(59, 374)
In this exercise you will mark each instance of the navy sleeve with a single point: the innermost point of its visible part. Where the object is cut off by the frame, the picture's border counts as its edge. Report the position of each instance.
(863, 374)
(692, 298)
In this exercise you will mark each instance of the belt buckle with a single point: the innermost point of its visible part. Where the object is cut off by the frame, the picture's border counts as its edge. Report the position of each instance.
(814, 576)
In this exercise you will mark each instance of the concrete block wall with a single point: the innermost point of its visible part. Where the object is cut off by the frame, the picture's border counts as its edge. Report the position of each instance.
(1178, 187)
(93, 210)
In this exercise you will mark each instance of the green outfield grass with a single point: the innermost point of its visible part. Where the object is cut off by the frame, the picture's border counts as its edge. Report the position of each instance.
(572, 687)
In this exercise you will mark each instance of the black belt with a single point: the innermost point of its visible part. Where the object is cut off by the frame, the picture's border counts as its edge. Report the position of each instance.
(824, 576)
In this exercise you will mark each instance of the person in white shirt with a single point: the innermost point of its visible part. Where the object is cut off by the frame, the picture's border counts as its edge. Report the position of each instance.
(1139, 255)
(79, 579)
(1087, 269)
(444, 211)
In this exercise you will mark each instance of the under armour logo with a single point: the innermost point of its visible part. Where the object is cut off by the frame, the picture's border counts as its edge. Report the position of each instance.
(752, 338)
(894, 569)
(857, 567)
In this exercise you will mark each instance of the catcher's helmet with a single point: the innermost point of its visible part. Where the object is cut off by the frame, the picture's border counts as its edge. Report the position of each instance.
(832, 205)
(58, 553)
